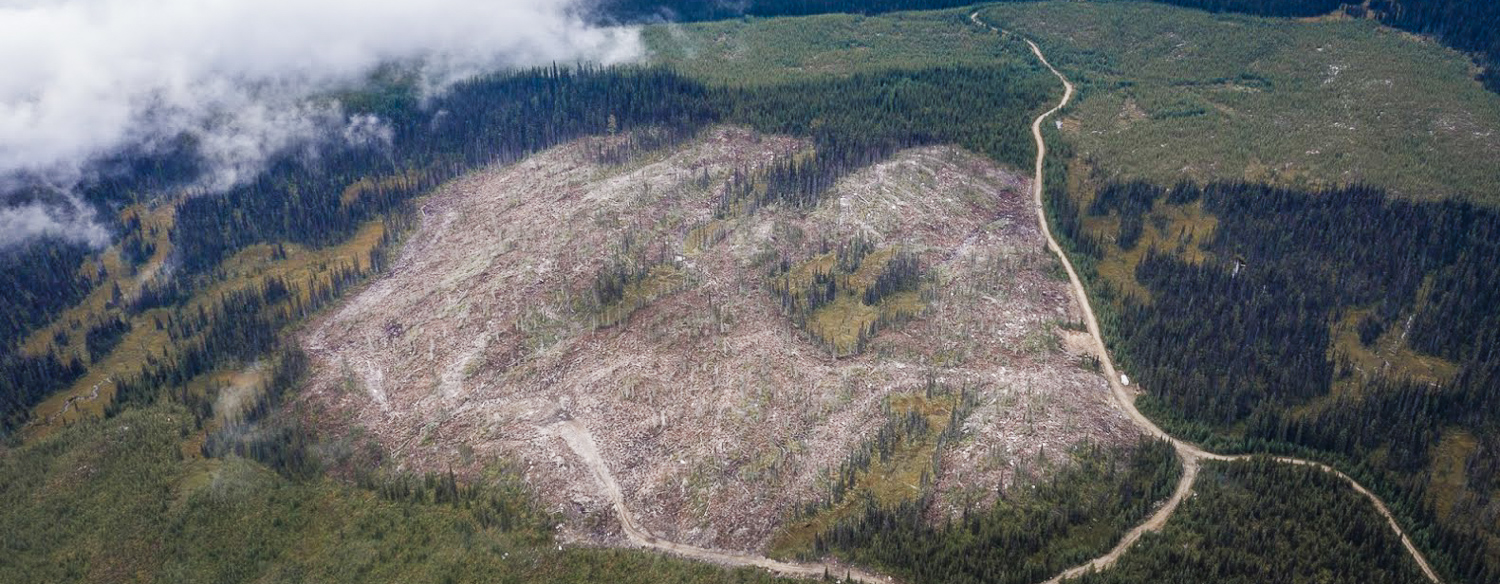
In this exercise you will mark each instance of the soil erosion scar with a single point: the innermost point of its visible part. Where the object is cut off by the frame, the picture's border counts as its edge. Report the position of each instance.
(581, 442)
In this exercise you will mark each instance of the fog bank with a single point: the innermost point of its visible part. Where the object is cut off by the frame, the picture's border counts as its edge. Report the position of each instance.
(80, 79)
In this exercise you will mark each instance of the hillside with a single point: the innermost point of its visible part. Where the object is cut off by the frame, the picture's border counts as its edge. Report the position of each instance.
(1284, 313)
(114, 501)
(1172, 94)
(772, 295)
(719, 390)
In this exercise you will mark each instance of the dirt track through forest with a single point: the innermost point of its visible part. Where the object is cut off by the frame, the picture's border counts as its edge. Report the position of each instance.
(581, 442)
(1190, 454)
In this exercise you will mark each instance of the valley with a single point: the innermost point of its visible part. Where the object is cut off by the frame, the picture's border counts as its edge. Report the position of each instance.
(902, 291)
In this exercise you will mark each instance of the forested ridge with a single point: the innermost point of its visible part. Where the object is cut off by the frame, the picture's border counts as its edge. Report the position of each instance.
(1234, 336)
(694, 10)
(1462, 24)
(319, 200)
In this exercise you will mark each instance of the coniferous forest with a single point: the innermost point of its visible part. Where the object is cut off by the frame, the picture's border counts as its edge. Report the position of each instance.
(1022, 539)
(1240, 333)
(1237, 348)
(693, 11)
(501, 118)
(1466, 25)
(1239, 515)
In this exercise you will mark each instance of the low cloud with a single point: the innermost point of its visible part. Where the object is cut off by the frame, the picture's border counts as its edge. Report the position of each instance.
(81, 79)
(368, 131)
(68, 219)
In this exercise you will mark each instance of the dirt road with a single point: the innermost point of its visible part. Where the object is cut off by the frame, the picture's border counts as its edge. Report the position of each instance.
(581, 442)
(1190, 468)
(1190, 454)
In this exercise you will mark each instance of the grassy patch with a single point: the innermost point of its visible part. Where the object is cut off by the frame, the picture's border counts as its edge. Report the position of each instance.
(898, 470)
(1183, 229)
(843, 322)
(1171, 93)
(356, 190)
(1388, 355)
(637, 290)
(765, 51)
(705, 236)
(1449, 481)
(844, 297)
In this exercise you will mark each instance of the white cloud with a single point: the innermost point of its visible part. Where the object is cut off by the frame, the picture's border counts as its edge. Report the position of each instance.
(368, 131)
(82, 78)
(69, 219)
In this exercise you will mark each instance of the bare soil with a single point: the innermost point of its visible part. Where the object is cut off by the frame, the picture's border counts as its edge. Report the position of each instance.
(716, 415)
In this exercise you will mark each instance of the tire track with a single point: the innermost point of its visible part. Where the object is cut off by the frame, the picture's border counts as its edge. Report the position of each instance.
(1190, 454)
(581, 442)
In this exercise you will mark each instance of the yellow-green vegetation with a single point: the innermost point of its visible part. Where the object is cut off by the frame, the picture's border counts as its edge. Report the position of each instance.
(357, 189)
(763, 51)
(302, 269)
(842, 322)
(113, 501)
(99, 303)
(914, 429)
(842, 298)
(635, 291)
(1183, 229)
(705, 236)
(1388, 355)
(1170, 93)
(1449, 483)
(248, 269)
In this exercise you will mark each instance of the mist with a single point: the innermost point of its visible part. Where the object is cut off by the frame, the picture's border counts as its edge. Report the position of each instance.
(81, 79)
(68, 218)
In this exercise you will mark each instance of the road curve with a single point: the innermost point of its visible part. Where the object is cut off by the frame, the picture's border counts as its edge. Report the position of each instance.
(581, 442)
(1190, 454)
